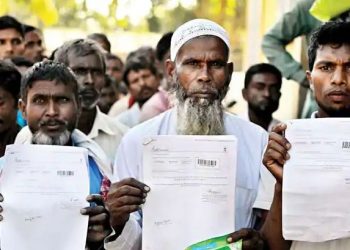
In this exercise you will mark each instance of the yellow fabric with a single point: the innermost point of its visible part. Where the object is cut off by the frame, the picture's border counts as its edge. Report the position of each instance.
(324, 10)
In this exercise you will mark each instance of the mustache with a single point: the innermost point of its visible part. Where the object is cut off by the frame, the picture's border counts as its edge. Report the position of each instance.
(52, 122)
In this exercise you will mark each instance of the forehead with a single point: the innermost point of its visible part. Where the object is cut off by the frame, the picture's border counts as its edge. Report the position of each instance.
(32, 35)
(113, 62)
(51, 88)
(333, 52)
(204, 46)
(88, 61)
(4, 93)
(9, 33)
(265, 78)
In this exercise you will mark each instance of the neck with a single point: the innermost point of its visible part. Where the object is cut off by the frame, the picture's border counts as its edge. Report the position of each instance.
(263, 120)
(86, 120)
(8, 137)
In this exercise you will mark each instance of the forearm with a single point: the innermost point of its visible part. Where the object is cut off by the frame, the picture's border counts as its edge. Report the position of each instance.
(271, 231)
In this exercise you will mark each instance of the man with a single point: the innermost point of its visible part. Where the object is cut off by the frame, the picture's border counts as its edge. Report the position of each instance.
(142, 79)
(108, 95)
(87, 61)
(50, 103)
(10, 81)
(262, 84)
(11, 37)
(329, 77)
(160, 101)
(33, 44)
(115, 67)
(201, 72)
(102, 40)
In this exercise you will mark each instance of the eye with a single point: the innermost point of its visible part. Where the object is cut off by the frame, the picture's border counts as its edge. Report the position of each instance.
(80, 71)
(326, 68)
(39, 100)
(64, 99)
(217, 64)
(16, 41)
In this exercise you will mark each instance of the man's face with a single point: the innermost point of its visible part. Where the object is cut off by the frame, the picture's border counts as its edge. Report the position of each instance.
(51, 110)
(115, 69)
(107, 98)
(90, 76)
(263, 93)
(8, 111)
(142, 84)
(11, 43)
(33, 46)
(330, 80)
(202, 75)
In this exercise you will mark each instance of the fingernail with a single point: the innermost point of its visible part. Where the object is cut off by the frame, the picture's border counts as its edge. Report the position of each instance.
(143, 200)
(83, 211)
(229, 239)
(287, 156)
(147, 189)
(288, 145)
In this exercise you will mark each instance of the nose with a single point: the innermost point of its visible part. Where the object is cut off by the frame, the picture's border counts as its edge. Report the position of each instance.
(51, 109)
(204, 74)
(88, 79)
(8, 47)
(339, 76)
(266, 92)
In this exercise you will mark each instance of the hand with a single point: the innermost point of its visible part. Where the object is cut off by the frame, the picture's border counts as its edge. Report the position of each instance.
(252, 239)
(123, 198)
(276, 153)
(99, 227)
(1, 200)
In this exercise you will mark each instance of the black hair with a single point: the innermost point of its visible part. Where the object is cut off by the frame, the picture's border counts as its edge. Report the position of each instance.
(10, 79)
(137, 63)
(48, 71)
(79, 47)
(330, 33)
(9, 22)
(261, 68)
(100, 36)
(163, 45)
(28, 28)
(21, 61)
(110, 56)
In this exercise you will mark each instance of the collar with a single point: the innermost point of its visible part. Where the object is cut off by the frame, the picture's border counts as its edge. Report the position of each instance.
(101, 123)
(314, 115)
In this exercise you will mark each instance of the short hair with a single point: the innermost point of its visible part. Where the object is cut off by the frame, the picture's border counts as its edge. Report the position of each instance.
(330, 33)
(48, 71)
(261, 68)
(79, 47)
(163, 45)
(21, 61)
(9, 22)
(110, 56)
(101, 36)
(10, 79)
(137, 63)
(28, 28)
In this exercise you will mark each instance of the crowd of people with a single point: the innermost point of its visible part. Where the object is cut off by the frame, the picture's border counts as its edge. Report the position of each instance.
(85, 96)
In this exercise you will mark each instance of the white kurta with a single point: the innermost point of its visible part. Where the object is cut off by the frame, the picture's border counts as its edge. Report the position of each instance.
(251, 174)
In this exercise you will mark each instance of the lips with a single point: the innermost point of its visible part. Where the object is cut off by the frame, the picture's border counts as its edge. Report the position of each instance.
(338, 95)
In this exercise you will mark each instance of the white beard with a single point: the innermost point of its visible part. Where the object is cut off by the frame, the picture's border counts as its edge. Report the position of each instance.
(199, 116)
(43, 139)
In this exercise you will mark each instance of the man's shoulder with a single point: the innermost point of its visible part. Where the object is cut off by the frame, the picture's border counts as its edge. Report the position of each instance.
(114, 124)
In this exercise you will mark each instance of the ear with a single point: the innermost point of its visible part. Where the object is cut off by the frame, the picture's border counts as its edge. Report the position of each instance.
(22, 108)
(230, 68)
(309, 78)
(170, 68)
(244, 93)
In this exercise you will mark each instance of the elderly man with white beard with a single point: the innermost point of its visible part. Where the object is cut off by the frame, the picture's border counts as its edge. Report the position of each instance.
(201, 72)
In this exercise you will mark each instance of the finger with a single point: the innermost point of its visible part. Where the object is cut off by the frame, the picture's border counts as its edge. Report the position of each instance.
(0, 209)
(125, 209)
(276, 151)
(281, 140)
(100, 219)
(124, 201)
(92, 210)
(97, 198)
(134, 183)
(1, 198)
(126, 190)
(238, 235)
(279, 128)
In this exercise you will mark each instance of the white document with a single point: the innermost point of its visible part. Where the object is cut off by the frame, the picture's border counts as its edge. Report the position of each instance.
(192, 197)
(316, 180)
(44, 188)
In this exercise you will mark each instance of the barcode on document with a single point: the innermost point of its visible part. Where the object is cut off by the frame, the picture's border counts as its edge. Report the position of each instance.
(206, 163)
(346, 144)
(65, 173)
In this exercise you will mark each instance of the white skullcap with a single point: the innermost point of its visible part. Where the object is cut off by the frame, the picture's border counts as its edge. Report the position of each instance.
(196, 28)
